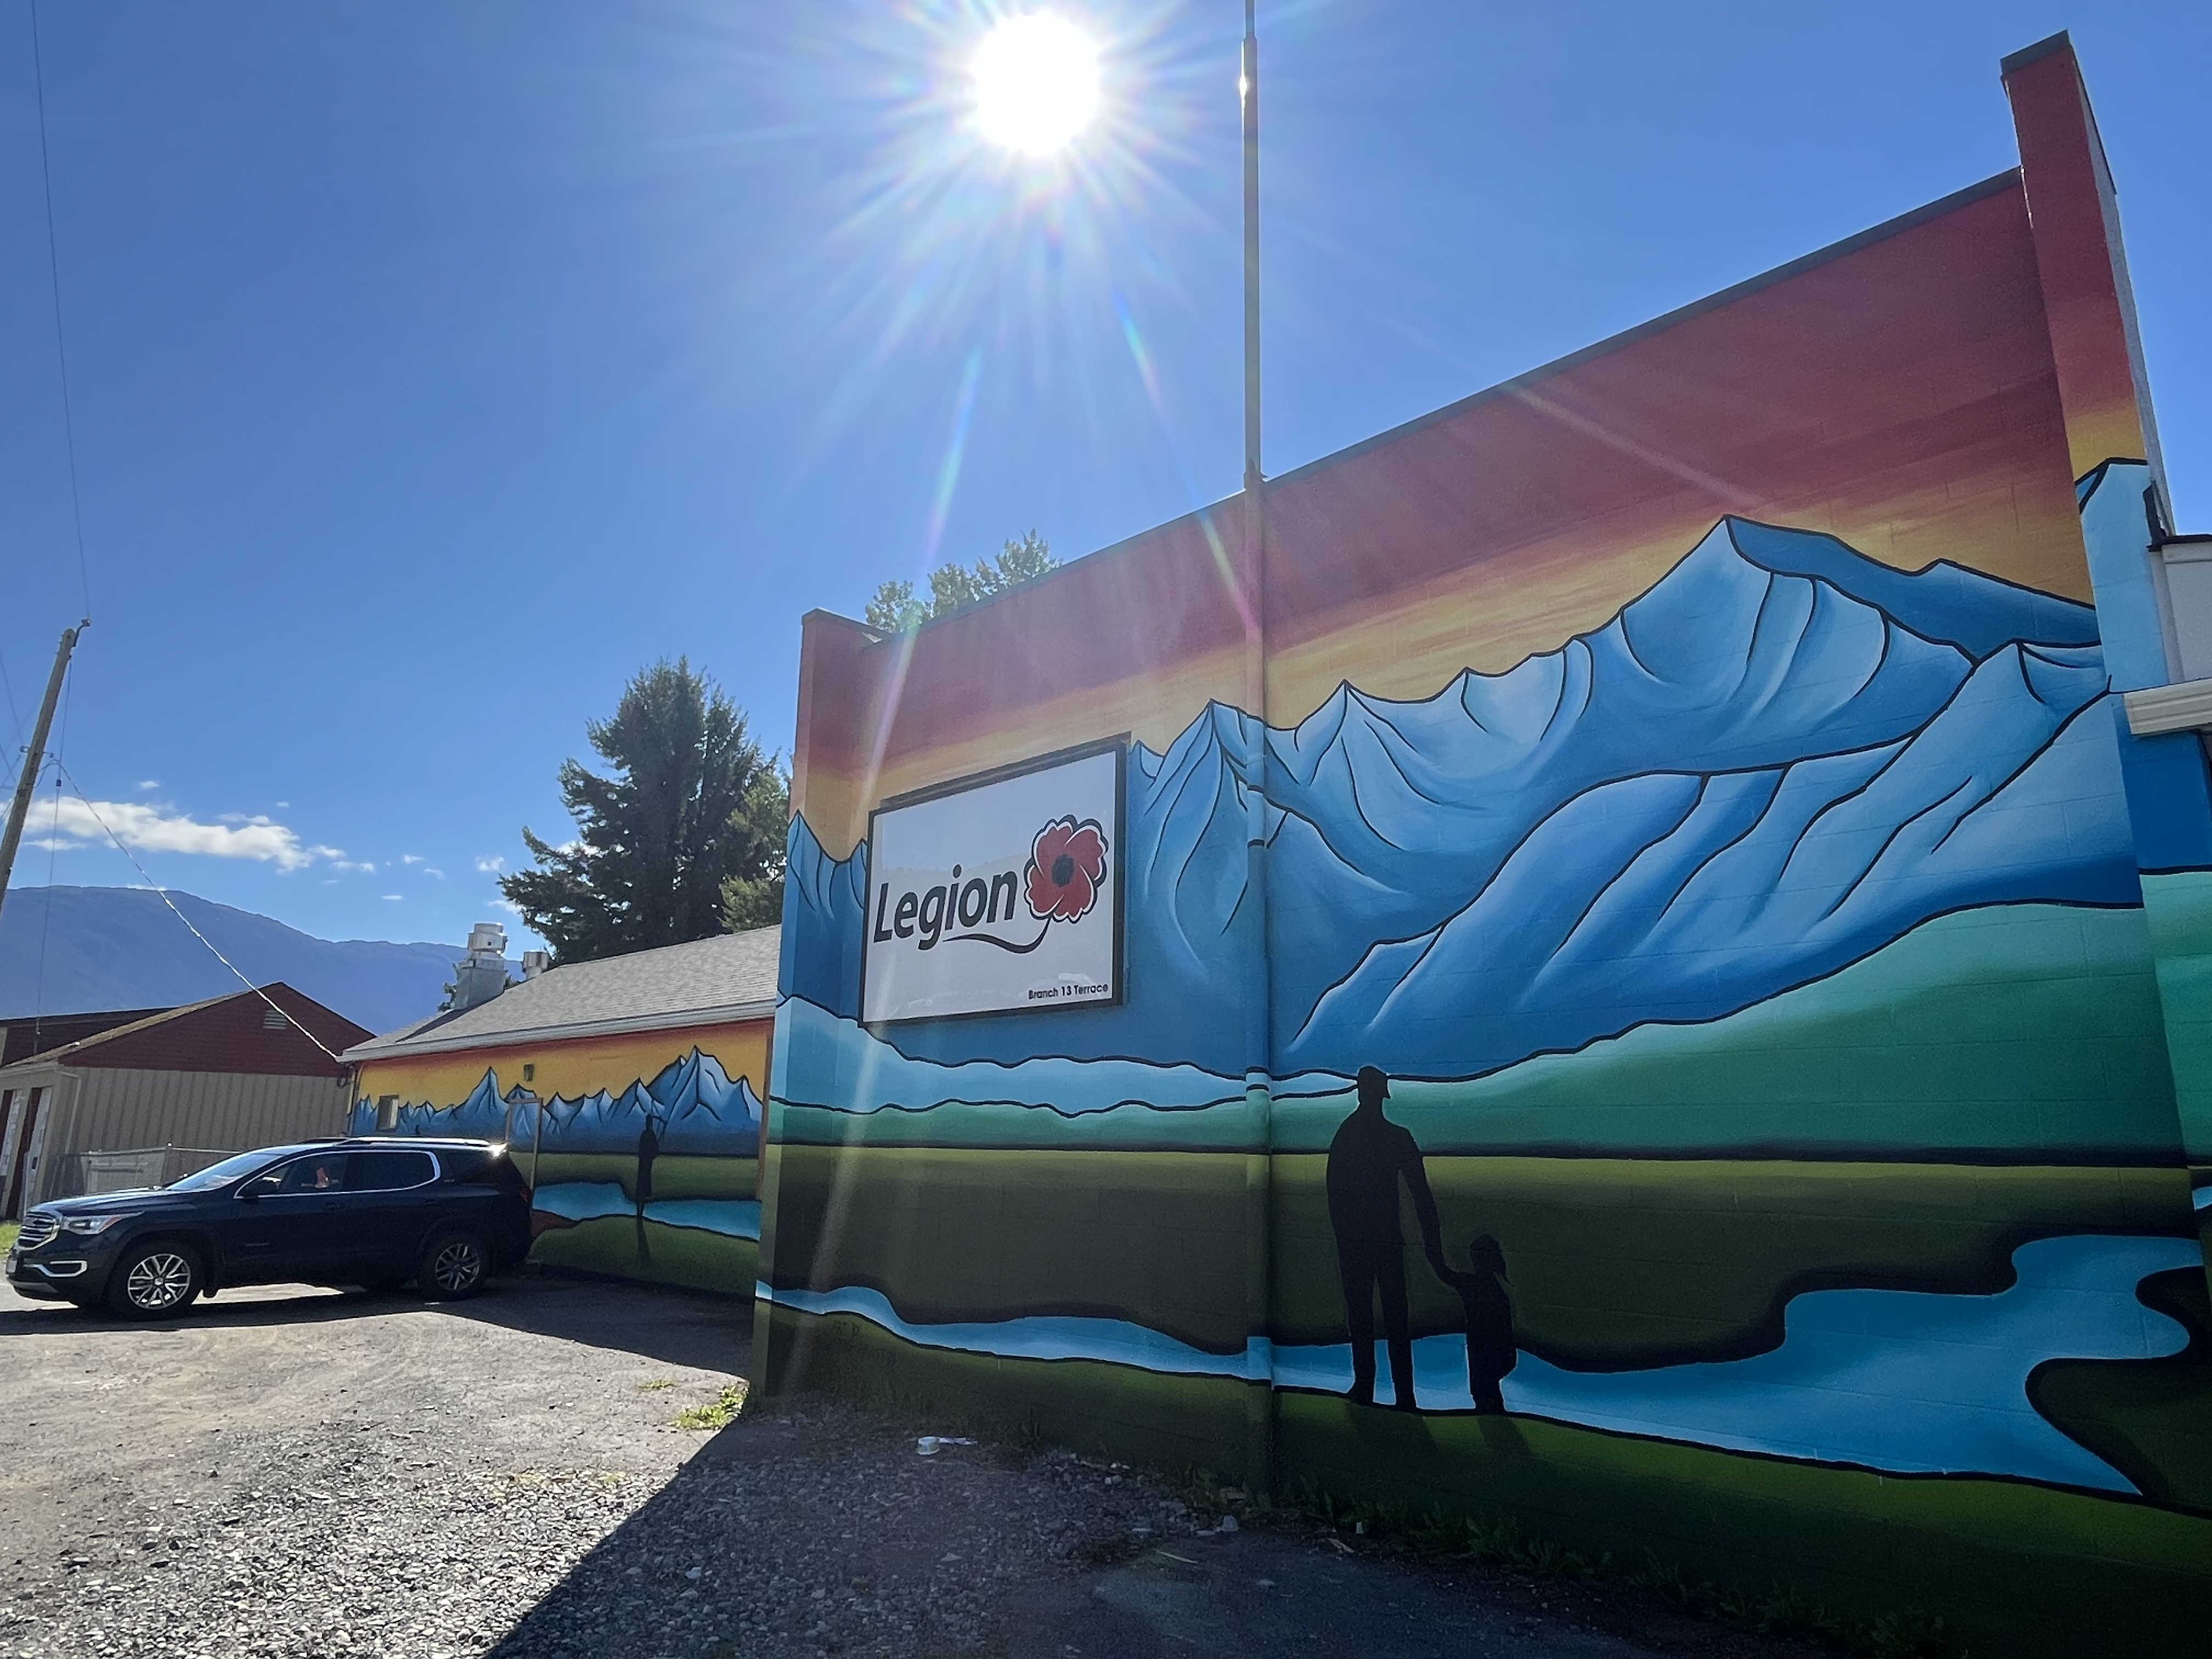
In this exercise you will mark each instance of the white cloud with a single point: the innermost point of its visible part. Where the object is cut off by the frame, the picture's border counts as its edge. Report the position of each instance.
(491, 866)
(410, 858)
(283, 806)
(154, 783)
(351, 867)
(432, 870)
(65, 820)
(508, 905)
(393, 898)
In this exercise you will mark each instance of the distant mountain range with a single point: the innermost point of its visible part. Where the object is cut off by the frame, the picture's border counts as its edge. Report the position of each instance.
(695, 1108)
(80, 950)
(1778, 760)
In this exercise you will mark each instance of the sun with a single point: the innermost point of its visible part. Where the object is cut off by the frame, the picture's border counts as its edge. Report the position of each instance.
(1036, 83)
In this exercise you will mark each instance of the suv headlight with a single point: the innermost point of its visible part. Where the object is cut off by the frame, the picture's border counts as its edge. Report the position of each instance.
(88, 1223)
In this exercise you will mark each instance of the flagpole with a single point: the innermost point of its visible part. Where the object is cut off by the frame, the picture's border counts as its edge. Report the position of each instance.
(1250, 88)
(1259, 1037)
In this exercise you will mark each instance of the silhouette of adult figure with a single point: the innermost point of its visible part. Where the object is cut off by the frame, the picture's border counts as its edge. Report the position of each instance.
(648, 1148)
(1491, 1350)
(1368, 1157)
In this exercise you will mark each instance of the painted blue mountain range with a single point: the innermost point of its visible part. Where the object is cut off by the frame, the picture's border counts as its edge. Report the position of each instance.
(699, 1108)
(1775, 762)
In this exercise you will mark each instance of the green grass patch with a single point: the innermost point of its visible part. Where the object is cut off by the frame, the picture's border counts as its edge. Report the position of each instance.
(719, 1413)
(688, 1256)
(8, 1232)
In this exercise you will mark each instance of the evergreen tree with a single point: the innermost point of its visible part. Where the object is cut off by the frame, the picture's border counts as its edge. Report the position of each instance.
(894, 608)
(695, 812)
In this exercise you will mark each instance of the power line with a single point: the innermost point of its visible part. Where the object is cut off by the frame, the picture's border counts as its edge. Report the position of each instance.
(161, 893)
(7, 684)
(61, 346)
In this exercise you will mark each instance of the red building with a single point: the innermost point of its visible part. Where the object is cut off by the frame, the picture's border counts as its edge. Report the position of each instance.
(154, 1096)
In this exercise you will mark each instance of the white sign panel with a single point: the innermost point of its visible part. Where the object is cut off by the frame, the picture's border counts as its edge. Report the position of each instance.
(998, 895)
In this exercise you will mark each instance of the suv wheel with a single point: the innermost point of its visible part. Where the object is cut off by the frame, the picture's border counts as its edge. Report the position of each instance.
(155, 1279)
(454, 1265)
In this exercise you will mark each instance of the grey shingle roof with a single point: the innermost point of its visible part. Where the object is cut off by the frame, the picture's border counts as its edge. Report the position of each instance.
(731, 976)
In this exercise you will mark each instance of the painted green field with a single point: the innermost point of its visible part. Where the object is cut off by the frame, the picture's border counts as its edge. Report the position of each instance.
(2179, 907)
(2150, 1419)
(1627, 1263)
(1976, 1034)
(979, 1235)
(2012, 1568)
(2016, 1569)
(1990, 1030)
(689, 1256)
(1614, 1262)
(677, 1176)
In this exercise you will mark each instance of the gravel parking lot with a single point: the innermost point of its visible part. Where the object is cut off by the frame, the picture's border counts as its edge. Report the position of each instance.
(298, 1473)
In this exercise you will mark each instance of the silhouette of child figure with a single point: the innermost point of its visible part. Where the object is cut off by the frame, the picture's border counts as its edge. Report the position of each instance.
(1491, 1352)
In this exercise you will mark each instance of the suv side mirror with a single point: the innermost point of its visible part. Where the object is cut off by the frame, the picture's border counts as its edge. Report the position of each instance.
(247, 1195)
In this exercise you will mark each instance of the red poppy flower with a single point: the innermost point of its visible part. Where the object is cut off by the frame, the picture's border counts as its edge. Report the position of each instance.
(1067, 861)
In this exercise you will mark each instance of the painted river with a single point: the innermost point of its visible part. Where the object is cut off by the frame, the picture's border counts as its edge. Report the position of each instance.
(1907, 1381)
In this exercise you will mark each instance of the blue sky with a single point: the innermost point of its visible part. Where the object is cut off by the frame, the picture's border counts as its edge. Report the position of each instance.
(435, 367)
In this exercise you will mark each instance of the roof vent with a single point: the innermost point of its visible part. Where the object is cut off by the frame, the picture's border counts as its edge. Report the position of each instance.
(272, 1020)
(535, 962)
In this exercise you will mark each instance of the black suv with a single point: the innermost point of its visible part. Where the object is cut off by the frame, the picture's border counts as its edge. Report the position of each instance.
(446, 1214)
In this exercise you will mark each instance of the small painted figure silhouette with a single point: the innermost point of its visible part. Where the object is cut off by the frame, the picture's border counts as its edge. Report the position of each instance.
(1491, 1352)
(1368, 1157)
(648, 1148)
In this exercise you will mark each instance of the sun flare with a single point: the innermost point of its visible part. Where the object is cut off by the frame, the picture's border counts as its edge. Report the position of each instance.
(1036, 83)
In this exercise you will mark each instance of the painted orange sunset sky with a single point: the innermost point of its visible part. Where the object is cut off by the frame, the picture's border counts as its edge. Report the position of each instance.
(1897, 392)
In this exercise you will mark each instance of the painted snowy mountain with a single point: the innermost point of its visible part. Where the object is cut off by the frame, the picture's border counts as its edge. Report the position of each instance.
(1775, 762)
(699, 1107)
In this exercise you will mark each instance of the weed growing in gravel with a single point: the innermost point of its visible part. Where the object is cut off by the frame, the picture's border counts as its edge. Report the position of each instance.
(656, 1385)
(1202, 1492)
(718, 1413)
(1781, 1610)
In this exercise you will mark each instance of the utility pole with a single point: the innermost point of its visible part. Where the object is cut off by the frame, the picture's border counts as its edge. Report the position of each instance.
(35, 757)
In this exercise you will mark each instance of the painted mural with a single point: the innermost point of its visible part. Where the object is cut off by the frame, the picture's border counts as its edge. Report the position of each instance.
(649, 1175)
(1660, 997)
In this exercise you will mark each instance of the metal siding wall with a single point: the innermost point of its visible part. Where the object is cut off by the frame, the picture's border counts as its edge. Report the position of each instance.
(120, 1110)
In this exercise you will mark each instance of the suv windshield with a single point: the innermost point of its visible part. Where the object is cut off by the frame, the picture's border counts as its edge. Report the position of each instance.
(222, 1173)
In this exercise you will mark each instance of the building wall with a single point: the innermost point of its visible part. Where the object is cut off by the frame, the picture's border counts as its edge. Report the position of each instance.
(1695, 773)
(680, 1208)
(112, 1110)
(235, 1033)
